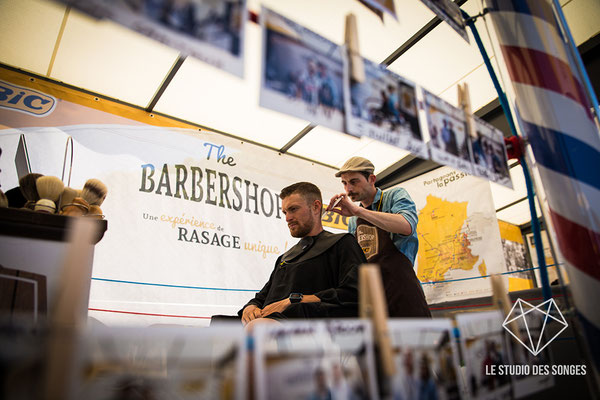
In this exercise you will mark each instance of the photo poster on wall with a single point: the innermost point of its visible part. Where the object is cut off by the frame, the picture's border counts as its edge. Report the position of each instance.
(302, 72)
(484, 348)
(303, 360)
(551, 264)
(211, 31)
(164, 362)
(426, 359)
(384, 107)
(449, 142)
(489, 154)
(515, 255)
(449, 11)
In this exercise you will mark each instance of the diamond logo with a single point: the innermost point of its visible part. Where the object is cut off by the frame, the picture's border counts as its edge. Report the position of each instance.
(527, 316)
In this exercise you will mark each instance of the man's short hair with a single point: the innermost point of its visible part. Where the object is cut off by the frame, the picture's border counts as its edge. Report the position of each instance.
(309, 191)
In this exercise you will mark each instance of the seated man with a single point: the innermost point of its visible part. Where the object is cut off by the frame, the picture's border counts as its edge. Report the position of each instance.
(316, 278)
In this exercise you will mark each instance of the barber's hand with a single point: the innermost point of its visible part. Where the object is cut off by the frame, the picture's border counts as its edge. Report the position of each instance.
(344, 207)
(278, 306)
(250, 312)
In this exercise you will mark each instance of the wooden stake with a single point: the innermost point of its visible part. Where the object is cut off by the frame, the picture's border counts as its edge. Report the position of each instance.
(372, 305)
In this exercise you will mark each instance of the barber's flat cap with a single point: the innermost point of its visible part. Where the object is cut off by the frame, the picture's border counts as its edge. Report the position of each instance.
(356, 164)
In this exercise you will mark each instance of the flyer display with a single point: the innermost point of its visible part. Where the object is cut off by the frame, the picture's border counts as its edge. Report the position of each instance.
(426, 360)
(162, 362)
(484, 348)
(301, 360)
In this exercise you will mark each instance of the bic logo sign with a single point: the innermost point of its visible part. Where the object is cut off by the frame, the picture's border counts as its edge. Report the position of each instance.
(25, 100)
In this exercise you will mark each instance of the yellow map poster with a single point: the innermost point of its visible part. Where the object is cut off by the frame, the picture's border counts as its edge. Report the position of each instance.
(459, 239)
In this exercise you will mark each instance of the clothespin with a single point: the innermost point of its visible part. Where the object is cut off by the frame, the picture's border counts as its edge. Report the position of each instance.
(357, 66)
(464, 103)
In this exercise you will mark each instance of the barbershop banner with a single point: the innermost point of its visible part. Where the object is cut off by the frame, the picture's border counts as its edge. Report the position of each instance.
(194, 218)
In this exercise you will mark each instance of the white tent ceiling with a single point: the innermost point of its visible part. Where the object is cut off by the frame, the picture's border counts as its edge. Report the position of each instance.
(108, 59)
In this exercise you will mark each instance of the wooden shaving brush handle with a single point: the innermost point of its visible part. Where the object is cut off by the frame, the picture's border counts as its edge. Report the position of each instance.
(95, 212)
(45, 206)
(77, 208)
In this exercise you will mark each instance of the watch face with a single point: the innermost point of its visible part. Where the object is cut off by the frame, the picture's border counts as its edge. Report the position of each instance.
(296, 297)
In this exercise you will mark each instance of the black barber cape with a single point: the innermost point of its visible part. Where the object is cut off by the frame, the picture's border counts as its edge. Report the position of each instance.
(326, 266)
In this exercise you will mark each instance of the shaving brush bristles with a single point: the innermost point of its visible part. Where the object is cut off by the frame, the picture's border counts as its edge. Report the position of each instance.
(94, 192)
(49, 189)
(67, 197)
(28, 187)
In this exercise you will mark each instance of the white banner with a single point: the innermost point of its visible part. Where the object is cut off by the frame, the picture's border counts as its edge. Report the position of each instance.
(194, 218)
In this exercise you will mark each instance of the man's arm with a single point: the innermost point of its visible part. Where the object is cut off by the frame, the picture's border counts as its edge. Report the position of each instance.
(394, 223)
(402, 219)
(282, 305)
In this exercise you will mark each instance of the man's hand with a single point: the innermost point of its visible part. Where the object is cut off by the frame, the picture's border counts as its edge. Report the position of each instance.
(250, 312)
(343, 207)
(278, 306)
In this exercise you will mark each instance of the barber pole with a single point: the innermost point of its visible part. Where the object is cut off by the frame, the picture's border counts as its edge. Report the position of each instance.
(555, 116)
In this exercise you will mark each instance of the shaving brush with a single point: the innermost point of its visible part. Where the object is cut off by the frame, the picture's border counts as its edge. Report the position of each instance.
(67, 204)
(94, 192)
(3, 200)
(66, 197)
(76, 208)
(27, 184)
(49, 189)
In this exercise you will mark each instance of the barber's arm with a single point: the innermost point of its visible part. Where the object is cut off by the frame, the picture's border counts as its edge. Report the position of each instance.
(401, 220)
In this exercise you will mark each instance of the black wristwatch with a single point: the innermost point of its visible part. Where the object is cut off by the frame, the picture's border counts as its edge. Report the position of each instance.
(295, 297)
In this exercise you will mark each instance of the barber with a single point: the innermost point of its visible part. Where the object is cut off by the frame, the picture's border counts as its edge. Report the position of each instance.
(385, 226)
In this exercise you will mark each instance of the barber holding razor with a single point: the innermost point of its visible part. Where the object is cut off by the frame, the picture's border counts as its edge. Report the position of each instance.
(384, 224)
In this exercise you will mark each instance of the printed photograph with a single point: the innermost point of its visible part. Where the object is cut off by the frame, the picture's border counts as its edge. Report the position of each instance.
(161, 363)
(532, 335)
(302, 72)
(384, 107)
(484, 347)
(426, 361)
(210, 30)
(305, 361)
(516, 258)
(449, 142)
(489, 154)
(449, 12)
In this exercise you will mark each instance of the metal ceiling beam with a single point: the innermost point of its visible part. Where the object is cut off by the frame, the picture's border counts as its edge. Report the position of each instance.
(296, 138)
(414, 39)
(163, 86)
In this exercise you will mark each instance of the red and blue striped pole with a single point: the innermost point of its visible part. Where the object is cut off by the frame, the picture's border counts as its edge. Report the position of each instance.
(554, 112)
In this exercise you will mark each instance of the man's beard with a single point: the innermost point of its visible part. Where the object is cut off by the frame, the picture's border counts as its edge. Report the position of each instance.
(303, 229)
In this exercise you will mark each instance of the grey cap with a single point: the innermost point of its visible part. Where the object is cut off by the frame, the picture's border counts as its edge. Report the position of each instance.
(356, 164)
